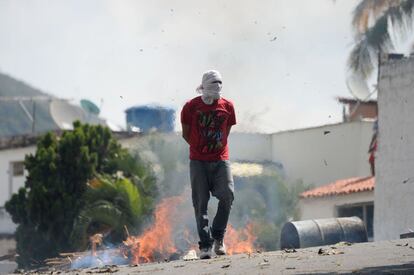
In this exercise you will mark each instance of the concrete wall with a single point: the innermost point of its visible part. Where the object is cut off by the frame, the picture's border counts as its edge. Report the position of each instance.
(7, 246)
(394, 190)
(316, 155)
(10, 184)
(325, 207)
(363, 110)
(6, 158)
(324, 154)
(253, 147)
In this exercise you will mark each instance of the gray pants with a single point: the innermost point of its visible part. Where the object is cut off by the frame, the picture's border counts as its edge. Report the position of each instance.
(214, 177)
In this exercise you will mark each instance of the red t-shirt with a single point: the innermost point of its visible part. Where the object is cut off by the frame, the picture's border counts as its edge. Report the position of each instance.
(208, 128)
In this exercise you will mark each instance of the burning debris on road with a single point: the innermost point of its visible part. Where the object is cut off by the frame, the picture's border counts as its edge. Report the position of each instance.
(166, 239)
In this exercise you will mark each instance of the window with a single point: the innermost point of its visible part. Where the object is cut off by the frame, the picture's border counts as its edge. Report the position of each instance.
(18, 168)
(365, 211)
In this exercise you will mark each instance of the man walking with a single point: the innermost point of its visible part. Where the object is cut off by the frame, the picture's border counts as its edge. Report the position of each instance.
(206, 122)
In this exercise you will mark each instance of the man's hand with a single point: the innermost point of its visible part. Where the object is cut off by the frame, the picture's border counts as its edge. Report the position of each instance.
(186, 132)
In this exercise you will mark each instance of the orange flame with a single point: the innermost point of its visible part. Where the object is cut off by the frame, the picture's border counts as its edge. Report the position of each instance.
(157, 241)
(158, 237)
(240, 241)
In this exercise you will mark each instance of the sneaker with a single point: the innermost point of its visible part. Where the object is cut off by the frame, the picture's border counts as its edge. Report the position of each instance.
(205, 253)
(219, 247)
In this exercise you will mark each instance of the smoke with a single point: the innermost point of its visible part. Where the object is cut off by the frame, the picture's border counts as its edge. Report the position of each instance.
(251, 121)
(263, 203)
(105, 257)
(256, 48)
(167, 155)
(262, 196)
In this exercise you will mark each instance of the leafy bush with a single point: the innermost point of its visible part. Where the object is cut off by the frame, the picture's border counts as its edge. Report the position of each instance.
(56, 192)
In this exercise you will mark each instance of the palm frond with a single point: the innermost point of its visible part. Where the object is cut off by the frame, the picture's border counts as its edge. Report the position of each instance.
(100, 212)
(109, 203)
(367, 11)
(402, 18)
(133, 195)
(364, 55)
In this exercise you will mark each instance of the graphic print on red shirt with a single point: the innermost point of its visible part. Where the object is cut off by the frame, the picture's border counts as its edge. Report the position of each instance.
(211, 134)
(208, 128)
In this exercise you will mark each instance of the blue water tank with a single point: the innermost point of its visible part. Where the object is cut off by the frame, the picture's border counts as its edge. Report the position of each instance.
(148, 118)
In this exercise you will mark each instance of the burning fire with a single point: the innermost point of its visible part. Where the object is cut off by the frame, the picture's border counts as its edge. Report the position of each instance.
(157, 241)
(158, 237)
(239, 241)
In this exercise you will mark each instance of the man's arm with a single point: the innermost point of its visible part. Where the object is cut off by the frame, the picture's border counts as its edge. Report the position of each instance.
(228, 130)
(186, 132)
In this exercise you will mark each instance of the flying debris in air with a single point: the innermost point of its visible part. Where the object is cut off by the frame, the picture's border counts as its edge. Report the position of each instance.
(273, 39)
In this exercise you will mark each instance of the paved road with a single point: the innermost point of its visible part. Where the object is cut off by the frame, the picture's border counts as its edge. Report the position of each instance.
(388, 257)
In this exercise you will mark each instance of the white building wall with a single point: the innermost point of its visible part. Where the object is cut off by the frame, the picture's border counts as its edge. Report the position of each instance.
(321, 155)
(317, 155)
(6, 158)
(254, 147)
(325, 207)
(10, 184)
(394, 191)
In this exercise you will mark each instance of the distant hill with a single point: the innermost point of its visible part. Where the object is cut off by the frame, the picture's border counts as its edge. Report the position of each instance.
(13, 87)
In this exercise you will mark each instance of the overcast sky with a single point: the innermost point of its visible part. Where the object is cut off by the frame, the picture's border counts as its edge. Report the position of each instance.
(283, 61)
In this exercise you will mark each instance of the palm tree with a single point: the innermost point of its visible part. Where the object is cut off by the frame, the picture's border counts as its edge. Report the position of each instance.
(374, 22)
(110, 205)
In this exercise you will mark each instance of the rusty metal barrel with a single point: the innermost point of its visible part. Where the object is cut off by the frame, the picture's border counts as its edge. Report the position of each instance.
(300, 234)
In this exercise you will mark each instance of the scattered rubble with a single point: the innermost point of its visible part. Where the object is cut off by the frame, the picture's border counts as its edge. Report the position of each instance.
(332, 251)
(191, 255)
(343, 244)
(289, 250)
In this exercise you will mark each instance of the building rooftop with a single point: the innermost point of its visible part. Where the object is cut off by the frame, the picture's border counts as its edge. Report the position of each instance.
(345, 100)
(25, 110)
(21, 141)
(341, 187)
